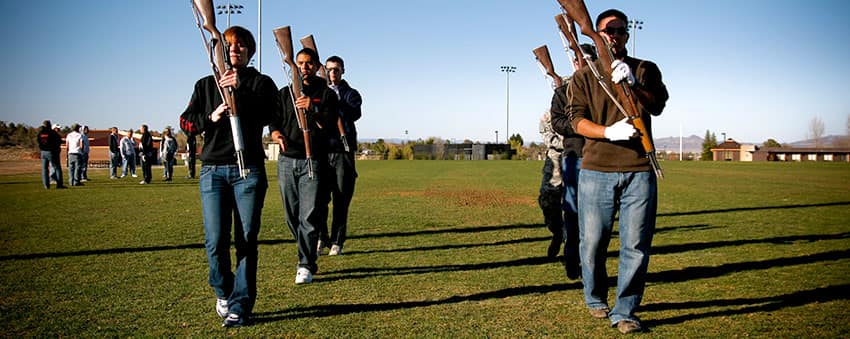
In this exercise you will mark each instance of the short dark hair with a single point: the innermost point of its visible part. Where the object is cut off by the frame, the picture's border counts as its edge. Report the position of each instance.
(336, 59)
(609, 13)
(311, 53)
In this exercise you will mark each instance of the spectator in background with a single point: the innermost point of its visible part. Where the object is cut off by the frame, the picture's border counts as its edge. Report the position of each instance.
(50, 143)
(114, 153)
(84, 176)
(128, 154)
(167, 149)
(74, 145)
(147, 153)
(56, 176)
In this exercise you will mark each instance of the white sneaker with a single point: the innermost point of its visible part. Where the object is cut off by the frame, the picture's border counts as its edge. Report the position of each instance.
(335, 250)
(135, 176)
(303, 276)
(221, 307)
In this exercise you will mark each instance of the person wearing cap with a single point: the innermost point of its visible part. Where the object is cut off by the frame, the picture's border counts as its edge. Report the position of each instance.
(74, 145)
(616, 176)
(50, 143)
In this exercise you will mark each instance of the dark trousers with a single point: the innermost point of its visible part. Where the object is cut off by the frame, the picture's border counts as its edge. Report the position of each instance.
(147, 162)
(339, 189)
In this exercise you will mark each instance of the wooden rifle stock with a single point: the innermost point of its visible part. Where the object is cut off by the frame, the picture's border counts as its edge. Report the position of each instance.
(283, 37)
(577, 10)
(220, 62)
(309, 42)
(569, 37)
(545, 61)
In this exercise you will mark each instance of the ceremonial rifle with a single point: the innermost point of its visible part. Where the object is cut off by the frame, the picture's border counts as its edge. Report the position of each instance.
(283, 37)
(577, 10)
(310, 43)
(220, 62)
(569, 38)
(544, 60)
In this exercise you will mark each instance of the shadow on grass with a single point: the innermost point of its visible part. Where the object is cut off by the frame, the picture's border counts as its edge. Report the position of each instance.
(449, 247)
(702, 272)
(122, 250)
(447, 231)
(753, 305)
(361, 273)
(320, 311)
(759, 208)
(771, 303)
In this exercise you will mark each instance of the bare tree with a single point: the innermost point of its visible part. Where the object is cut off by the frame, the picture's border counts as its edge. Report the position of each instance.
(816, 131)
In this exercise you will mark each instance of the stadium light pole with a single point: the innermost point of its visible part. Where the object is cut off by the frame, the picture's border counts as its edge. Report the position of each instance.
(508, 70)
(634, 26)
(497, 136)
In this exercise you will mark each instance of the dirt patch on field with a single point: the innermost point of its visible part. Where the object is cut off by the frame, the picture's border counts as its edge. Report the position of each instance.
(472, 198)
(17, 160)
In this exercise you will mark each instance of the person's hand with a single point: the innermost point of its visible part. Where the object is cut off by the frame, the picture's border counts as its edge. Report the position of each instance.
(303, 102)
(215, 116)
(278, 138)
(620, 71)
(620, 130)
(229, 79)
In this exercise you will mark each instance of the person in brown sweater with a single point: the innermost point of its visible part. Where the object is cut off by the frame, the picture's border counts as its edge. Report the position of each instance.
(616, 175)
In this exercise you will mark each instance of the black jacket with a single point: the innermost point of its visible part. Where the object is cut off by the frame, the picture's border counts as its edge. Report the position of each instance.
(257, 105)
(349, 110)
(49, 140)
(323, 111)
(573, 142)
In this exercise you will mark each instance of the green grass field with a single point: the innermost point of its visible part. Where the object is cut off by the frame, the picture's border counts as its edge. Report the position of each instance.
(436, 249)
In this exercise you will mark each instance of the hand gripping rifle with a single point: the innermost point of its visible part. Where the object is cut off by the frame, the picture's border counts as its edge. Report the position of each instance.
(219, 61)
(310, 43)
(283, 37)
(544, 60)
(577, 10)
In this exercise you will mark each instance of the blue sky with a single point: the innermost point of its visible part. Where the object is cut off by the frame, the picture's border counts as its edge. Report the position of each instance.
(753, 69)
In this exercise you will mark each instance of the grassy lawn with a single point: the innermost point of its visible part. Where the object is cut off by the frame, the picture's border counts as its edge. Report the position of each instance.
(435, 249)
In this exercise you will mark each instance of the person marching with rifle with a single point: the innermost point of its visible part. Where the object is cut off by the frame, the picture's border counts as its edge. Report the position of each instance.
(616, 171)
(308, 112)
(232, 192)
(340, 160)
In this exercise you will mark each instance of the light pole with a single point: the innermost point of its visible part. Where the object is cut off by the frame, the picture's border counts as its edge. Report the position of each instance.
(229, 9)
(634, 26)
(508, 70)
(497, 136)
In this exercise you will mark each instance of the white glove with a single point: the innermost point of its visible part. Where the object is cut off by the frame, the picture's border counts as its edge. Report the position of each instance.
(620, 130)
(620, 71)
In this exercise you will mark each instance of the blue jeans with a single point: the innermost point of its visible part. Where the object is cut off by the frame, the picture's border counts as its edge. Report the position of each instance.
(75, 167)
(128, 161)
(168, 165)
(570, 169)
(51, 160)
(599, 197)
(300, 196)
(225, 197)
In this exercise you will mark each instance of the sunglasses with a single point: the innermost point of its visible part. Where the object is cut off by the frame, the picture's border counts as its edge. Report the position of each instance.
(617, 30)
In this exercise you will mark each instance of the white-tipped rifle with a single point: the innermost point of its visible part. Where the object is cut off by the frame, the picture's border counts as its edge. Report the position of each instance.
(219, 59)
(283, 37)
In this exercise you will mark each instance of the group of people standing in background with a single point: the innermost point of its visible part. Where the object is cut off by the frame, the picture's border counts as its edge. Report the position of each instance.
(123, 152)
(313, 167)
(603, 171)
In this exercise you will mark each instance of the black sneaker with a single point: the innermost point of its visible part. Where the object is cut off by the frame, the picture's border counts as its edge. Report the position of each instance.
(234, 320)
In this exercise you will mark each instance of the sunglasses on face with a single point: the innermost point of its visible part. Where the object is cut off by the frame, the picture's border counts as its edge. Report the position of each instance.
(615, 30)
